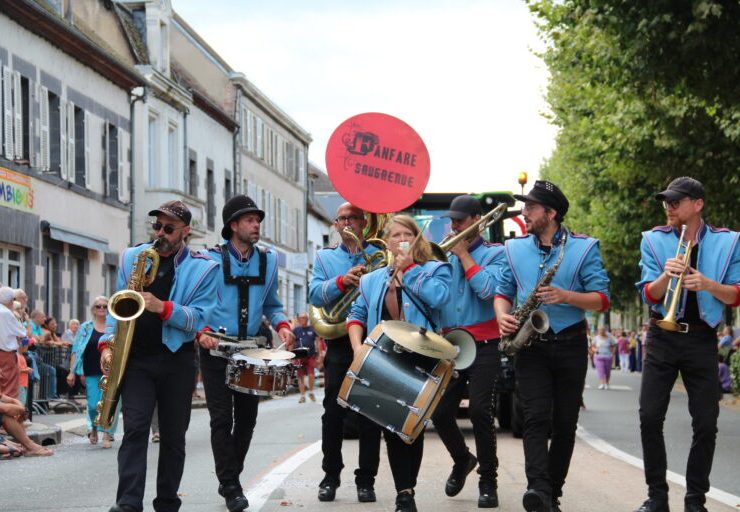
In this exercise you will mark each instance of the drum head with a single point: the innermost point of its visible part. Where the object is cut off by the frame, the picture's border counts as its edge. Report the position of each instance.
(409, 336)
(243, 356)
(267, 354)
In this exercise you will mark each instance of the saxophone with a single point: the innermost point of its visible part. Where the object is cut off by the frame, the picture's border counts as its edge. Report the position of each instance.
(532, 321)
(125, 306)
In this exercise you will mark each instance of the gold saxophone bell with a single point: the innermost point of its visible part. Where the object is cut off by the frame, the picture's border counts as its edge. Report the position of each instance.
(673, 292)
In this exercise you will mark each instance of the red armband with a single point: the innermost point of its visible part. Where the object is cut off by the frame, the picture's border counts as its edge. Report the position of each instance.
(472, 271)
(604, 302)
(340, 283)
(737, 299)
(281, 325)
(102, 345)
(167, 311)
(355, 322)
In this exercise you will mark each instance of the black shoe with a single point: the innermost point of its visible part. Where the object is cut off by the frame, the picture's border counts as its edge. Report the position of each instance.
(488, 497)
(365, 494)
(535, 501)
(694, 507)
(328, 489)
(236, 501)
(555, 506)
(122, 508)
(653, 505)
(456, 480)
(405, 502)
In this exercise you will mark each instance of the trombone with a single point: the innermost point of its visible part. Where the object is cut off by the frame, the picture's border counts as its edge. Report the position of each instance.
(673, 292)
(439, 251)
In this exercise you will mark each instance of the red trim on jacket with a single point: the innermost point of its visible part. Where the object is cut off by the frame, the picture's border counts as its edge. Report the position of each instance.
(472, 271)
(650, 298)
(355, 322)
(204, 329)
(487, 330)
(283, 324)
(604, 301)
(737, 299)
(167, 311)
(409, 267)
(340, 283)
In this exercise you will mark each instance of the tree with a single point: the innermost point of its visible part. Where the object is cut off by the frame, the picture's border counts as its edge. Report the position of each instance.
(633, 115)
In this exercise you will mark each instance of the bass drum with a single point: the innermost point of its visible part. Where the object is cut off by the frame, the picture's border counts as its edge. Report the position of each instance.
(394, 387)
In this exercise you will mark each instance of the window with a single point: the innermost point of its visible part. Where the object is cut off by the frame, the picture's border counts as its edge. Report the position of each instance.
(111, 278)
(227, 185)
(301, 178)
(153, 156)
(81, 147)
(77, 271)
(11, 266)
(191, 183)
(164, 48)
(211, 198)
(251, 129)
(54, 129)
(23, 120)
(173, 155)
(7, 113)
(51, 284)
(112, 161)
(260, 147)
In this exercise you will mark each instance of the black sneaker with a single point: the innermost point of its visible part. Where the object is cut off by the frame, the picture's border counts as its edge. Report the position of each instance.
(654, 505)
(328, 489)
(366, 494)
(694, 507)
(555, 507)
(405, 502)
(460, 471)
(122, 508)
(536, 501)
(488, 497)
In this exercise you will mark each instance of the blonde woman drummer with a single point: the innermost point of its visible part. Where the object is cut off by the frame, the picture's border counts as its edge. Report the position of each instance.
(397, 293)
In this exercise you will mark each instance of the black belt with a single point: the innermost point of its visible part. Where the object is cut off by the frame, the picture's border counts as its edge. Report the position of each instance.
(491, 341)
(687, 328)
(574, 331)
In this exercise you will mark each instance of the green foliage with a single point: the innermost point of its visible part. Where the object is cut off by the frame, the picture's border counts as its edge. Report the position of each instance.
(735, 372)
(642, 92)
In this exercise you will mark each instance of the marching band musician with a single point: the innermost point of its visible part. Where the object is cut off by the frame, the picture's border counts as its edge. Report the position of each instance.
(246, 290)
(474, 267)
(161, 366)
(336, 270)
(551, 372)
(379, 299)
(711, 281)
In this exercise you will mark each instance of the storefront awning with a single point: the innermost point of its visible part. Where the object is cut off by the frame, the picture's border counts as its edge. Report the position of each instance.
(72, 237)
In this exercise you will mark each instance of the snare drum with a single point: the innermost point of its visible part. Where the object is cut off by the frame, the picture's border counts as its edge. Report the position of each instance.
(394, 387)
(253, 376)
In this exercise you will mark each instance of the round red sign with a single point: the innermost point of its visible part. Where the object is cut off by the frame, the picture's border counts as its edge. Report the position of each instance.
(377, 162)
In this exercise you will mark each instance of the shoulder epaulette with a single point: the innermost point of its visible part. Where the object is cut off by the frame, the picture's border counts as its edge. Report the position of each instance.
(198, 254)
(715, 229)
(140, 244)
(579, 235)
(215, 248)
(663, 229)
(491, 244)
(329, 247)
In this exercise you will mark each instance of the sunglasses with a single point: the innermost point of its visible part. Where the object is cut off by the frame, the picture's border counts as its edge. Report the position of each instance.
(168, 228)
(101, 306)
(672, 205)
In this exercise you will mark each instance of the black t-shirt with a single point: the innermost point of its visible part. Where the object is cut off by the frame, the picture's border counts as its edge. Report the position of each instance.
(148, 331)
(691, 313)
(91, 356)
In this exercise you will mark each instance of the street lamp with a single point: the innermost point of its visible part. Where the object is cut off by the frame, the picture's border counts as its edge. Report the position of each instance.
(522, 178)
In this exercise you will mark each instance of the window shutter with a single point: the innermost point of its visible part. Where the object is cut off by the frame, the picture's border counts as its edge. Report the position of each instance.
(8, 113)
(71, 142)
(44, 155)
(18, 117)
(122, 189)
(63, 139)
(87, 122)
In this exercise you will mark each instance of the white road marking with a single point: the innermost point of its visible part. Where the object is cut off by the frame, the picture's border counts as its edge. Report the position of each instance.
(260, 493)
(608, 449)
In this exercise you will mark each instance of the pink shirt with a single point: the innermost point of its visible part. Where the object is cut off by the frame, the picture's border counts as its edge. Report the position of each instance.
(623, 345)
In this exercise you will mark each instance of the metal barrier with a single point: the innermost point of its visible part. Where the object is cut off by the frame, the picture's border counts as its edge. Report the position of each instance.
(53, 366)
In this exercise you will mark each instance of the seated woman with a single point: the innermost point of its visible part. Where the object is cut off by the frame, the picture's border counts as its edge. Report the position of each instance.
(424, 282)
(85, 362)
(12, 413)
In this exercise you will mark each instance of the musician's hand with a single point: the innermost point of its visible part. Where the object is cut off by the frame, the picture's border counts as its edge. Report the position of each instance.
(461, 248)
(507, 324)
(152, 303)
(71, 379)
(106, 357)
(695, 281)
(674, 267)
(352, 277)
(403, 260)
(287, 337)
(207, 342)
(552, 295)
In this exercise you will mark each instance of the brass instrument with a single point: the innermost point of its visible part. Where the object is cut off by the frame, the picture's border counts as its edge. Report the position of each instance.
(532, 321)
(330, 324)
(439, 251)
(673, 292)
(125, 306)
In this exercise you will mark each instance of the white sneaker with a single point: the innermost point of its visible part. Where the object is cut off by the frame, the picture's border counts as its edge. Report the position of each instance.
(606, 386)
(601, 386)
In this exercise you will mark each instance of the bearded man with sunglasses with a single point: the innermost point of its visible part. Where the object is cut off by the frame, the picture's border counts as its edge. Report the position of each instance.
(161, 365)
(711, 281)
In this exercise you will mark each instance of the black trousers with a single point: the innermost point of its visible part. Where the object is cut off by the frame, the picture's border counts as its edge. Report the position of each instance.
(332, 422)
(165, 379)
(404, 459)
(695, 356)
(480, 378)
(550, 379)
(233, 418)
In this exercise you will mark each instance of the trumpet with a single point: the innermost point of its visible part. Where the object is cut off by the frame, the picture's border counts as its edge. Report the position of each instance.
(439, 251)
(673, 292)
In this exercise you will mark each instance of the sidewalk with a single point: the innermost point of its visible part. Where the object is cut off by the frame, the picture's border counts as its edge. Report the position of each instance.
(596, 483)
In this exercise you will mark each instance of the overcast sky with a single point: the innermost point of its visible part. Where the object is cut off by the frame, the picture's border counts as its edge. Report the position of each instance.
(462, 73)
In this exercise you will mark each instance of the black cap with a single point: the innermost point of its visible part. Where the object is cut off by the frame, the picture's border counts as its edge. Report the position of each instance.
(175, 209)
(548, 194)
(235, 208)
(680, 188)
(463, 206)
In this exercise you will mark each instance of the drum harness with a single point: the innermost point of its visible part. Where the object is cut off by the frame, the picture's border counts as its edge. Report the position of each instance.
(418, 302)
(242, 283)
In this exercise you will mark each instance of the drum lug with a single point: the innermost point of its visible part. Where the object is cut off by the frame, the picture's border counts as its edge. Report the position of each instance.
(373, 344)
(355, 408)
(434, 378)
(411, 408)
(406, 439)
(352, 375)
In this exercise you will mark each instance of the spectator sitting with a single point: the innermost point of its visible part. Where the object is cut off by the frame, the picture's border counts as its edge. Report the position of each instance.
(72, 327)
(12, 413)
(50, 338)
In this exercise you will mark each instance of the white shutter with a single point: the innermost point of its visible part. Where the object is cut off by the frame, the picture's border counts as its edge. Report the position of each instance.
(18, 117)
(122, 189)
(71, 175)
(8, 113)
(63, 170)
(87, 122)
(44, 151)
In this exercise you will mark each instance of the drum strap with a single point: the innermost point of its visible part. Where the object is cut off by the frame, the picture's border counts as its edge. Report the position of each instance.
(242, 283)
